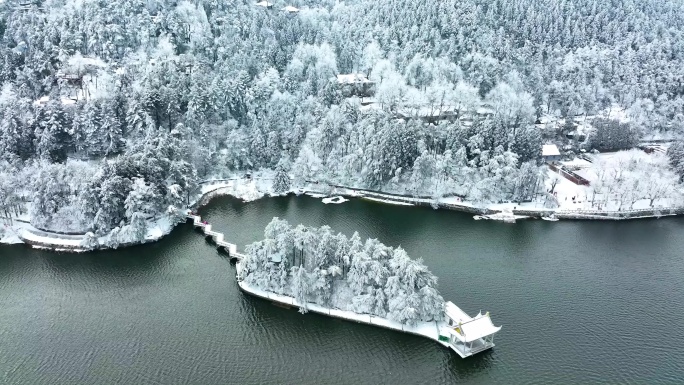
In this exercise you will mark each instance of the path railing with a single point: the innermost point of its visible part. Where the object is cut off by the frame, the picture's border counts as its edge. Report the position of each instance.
(564, 213)
(215, 236)
(620, 215)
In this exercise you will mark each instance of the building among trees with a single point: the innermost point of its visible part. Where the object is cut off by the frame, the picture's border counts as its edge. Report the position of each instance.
(550, 153)
(356, 84)
(291, 10)
(265, 4)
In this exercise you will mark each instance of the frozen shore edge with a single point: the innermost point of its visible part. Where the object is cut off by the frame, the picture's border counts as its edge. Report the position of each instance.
(223, 189)
(428, 330)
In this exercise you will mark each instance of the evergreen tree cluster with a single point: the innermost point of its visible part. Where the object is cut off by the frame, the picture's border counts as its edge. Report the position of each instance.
(315, 265)
(173, 91)
(611, 135)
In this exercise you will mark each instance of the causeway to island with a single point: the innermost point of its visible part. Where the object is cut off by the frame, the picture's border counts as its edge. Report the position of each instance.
(367, 282)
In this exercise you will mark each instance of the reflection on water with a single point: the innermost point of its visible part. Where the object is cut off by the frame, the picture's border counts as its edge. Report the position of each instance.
(476, 365)
(568, 295)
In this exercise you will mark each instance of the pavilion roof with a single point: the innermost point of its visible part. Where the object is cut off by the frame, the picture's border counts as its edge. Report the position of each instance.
(471, 328)
(550, 150)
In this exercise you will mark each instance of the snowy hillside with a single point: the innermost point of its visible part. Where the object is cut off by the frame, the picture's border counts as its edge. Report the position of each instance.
(113, 111)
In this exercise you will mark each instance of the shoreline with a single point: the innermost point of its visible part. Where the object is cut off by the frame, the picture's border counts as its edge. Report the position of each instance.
(429, 330)
(241, 190)
(24, 233)
(531, 213)
(340, 314)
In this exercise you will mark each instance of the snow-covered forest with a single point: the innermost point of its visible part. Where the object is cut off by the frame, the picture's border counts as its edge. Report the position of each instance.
(318, 266)
(113, 111)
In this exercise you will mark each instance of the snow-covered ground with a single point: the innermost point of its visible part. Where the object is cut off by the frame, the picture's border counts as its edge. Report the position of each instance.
(10, 228)
(248, 189)
(624, 180)
(159, 228)
(565, 191)
(8, 233)
(617, 113)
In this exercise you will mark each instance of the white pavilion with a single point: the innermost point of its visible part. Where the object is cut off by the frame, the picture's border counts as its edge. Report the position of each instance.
(467, 335)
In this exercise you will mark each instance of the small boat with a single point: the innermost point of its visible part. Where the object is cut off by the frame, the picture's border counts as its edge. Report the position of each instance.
(506, 216)
(336, 200)
(479, 217)
(550, 218)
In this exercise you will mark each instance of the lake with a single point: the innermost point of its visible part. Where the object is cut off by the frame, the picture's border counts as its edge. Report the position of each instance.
(580, 302)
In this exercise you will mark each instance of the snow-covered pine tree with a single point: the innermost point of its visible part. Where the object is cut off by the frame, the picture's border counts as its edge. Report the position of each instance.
(136, 230)
(54, 141)
(301, 287)
(141, 199)
(281, 180)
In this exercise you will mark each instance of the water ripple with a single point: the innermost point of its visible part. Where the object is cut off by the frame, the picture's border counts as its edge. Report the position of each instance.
(580, 302)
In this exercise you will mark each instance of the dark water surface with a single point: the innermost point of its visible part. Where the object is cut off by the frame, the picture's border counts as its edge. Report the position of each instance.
(580, 302)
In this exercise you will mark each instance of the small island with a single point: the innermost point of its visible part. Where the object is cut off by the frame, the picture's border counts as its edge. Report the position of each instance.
(317, 270)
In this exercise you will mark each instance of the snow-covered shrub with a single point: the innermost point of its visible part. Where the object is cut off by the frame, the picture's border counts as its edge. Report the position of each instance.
(176, 215)
(90, 241)
(113, 238)
(247, 192)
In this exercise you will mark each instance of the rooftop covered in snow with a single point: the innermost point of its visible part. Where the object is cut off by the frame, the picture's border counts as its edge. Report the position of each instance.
(352, 79)
(479, 327)
(550, 150)
(468, 335)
